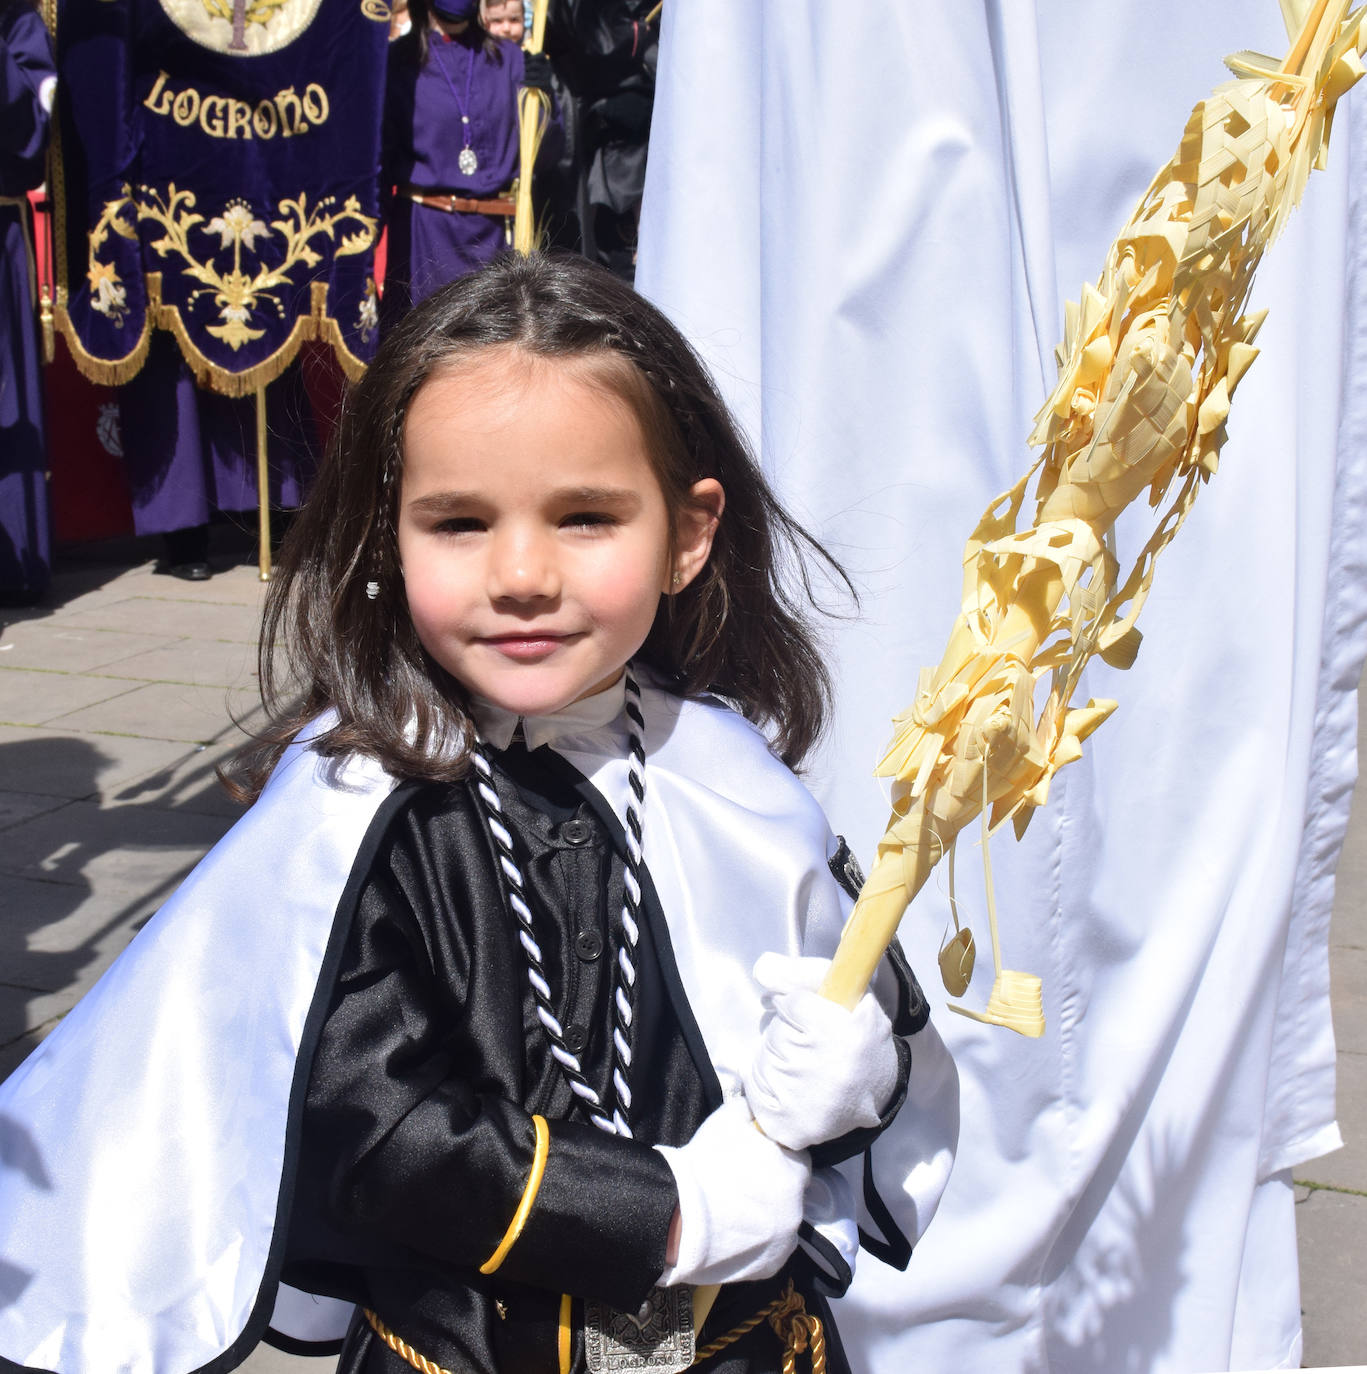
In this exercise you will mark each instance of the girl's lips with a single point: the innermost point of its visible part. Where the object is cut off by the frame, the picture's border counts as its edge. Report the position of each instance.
(526, 646)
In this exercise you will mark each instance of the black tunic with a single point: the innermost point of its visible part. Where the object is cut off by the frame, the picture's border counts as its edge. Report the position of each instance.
(417, 1137)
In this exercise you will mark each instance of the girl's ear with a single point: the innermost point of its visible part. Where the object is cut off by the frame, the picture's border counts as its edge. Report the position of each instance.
(695, 526)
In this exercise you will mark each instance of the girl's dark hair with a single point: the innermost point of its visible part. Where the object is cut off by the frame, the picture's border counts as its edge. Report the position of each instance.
(738, 630)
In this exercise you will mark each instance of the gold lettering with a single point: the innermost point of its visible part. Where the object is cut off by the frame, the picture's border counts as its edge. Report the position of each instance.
(291, 113)
(239, 117)
(211, 115)
(185, 108)
(265, 120)
(222, 116)
(317, 107)
(159, 92)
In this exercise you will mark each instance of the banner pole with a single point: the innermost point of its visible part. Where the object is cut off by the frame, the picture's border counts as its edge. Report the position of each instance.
(263, 490)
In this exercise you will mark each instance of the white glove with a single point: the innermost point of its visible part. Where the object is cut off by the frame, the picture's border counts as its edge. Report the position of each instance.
(740, 1200)
(820, 1071)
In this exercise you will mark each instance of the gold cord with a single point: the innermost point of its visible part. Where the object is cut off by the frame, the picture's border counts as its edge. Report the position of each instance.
(401, 1347)
(791, 1323)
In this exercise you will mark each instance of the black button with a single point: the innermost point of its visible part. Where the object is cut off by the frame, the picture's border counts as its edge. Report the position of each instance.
(576, 832)
(588, 944)
(575, 1039)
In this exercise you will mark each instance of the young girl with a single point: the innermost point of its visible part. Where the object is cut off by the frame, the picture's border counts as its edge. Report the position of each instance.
(461, 1032)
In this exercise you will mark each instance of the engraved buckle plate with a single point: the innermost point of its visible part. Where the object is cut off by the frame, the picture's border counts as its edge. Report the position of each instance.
(659, 1338)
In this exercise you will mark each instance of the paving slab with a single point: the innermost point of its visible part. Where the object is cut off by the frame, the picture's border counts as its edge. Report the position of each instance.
(34, 1013)
(170, 615)
(189, 782)
(1348, 977)
(34, 698)
(1346, 1168)
(200, 662)
(70, 649)
(23, 806)
(61, 764)
(231, 583)
(86, 843)
(266, 1360)
(14, 1054)
(85, 586)
(1331, 1227)
(167, 711)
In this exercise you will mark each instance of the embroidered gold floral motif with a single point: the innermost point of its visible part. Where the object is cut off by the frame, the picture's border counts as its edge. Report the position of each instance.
(108, 296)
(238, 294)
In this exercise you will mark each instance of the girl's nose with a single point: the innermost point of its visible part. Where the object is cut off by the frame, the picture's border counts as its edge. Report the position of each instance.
(522, 567)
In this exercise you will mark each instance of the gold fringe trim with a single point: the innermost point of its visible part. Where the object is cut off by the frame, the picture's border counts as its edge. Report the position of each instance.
(317, 324)
(524, 1207)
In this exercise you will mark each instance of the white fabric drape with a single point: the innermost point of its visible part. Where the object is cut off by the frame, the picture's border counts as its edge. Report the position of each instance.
(866, 217)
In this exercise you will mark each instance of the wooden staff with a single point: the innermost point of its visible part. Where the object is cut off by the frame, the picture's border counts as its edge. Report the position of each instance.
(263, 491)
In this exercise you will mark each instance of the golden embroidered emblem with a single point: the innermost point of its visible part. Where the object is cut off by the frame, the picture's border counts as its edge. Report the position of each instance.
(240, 292)
(241, 28)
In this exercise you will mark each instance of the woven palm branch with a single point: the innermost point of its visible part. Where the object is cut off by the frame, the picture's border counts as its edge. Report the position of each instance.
(1151, 357)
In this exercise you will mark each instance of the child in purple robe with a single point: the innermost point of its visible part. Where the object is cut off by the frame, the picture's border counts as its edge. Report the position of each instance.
(451, 147)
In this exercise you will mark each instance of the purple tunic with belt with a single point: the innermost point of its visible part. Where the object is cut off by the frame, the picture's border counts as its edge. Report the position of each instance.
(425, 108)
(27, 81)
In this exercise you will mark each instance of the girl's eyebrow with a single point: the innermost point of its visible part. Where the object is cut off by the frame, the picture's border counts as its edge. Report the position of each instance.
(621, 498)
(600, 496)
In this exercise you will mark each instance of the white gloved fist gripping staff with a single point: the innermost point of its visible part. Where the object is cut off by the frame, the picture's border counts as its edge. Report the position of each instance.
(740, 1200)
(820, 1071)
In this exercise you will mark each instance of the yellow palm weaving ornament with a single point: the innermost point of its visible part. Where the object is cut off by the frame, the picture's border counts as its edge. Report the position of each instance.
(1151, 356)
(533, 114)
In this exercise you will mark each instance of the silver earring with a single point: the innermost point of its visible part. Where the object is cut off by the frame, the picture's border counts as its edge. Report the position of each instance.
(372, 590)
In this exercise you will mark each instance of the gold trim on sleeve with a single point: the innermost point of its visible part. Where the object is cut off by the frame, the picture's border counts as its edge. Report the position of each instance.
(524, 1208)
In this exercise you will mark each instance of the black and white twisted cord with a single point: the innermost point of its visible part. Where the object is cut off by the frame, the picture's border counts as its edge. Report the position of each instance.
(624, 996)
(624, 991)
(514, 891)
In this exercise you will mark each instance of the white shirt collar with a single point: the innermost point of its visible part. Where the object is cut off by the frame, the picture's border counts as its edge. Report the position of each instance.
(496, 725)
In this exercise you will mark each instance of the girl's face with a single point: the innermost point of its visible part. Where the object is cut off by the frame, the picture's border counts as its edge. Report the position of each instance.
(533, 534)
(503, 19)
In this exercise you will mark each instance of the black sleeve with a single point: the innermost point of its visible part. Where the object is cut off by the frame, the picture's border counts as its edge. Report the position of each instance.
(415, 1137)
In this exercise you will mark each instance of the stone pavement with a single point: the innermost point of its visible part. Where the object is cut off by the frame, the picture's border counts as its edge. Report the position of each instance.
(118, 699)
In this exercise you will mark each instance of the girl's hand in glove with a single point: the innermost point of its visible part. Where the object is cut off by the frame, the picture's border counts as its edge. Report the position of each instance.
(820, 1071)
(740, 1200)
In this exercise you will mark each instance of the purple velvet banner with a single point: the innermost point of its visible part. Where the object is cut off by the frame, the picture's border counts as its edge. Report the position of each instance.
(217, 177)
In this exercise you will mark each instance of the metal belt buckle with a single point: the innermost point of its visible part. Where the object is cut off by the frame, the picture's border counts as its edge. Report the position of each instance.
(658, 1339)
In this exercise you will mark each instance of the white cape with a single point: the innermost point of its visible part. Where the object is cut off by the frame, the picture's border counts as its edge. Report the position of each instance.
(148, 1139)
(867, 217)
